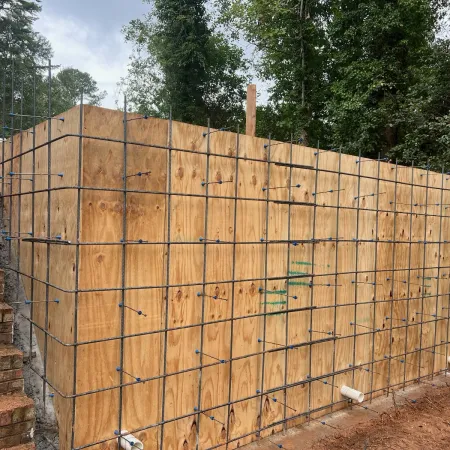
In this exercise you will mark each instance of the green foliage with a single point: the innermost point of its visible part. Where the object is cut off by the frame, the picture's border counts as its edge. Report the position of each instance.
(67, 87)
(179, 62)
(381, 69)
(24, 54)
(290, 38)
(18, 41)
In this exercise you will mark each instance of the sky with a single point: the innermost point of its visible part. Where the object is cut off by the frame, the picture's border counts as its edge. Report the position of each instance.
(86, 35)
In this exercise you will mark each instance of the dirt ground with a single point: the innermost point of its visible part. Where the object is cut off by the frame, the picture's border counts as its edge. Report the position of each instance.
(421, 425)
(415, 419)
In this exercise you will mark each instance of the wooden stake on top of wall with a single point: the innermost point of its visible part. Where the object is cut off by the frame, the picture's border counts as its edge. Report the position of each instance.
(251, 110)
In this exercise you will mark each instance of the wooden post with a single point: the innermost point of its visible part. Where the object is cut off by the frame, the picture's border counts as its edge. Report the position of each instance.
(251, 110)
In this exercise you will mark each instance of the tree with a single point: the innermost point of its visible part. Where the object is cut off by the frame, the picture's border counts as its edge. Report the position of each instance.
(381, 65)
(290, 39)
(22, 48)
(67, 87)
(179, 62)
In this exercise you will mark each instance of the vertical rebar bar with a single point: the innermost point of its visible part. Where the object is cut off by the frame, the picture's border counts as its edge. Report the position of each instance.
(336, 276)
(392, 291)
(441, 201)
(423, 266)
(33, 211)
(355, 319)
(375, 266)
(266, 271)
(123, 266)
(167, 290)
(233, 285)
(77, 266)
(411, 213)
(313, 265)
(205, 254)
(49, 229)
(288, 264)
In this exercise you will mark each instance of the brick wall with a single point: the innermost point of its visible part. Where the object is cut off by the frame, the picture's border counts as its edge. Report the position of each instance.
(17, 414)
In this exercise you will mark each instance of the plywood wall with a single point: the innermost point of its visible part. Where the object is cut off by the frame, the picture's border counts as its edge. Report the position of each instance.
(286, 345)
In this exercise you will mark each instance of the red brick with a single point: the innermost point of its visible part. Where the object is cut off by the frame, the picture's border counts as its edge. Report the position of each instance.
(6, 338)
(15, 409)
(16, 428)
(6, 313)
(10, 358)
(10, 441)
(9, 375)
(6, 327)
(11, 387)
(29, 446)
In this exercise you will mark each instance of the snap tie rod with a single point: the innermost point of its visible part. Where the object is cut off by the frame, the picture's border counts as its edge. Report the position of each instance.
(282, 187)
(119, 369)
(139, 174)
(204, 183)
(11, 114)
(209, 417)
(138, 312)
(61, 174)
(198, 352)
(327, 192)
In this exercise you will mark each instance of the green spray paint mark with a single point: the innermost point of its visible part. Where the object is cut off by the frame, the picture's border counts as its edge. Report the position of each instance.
(276, 292)
(274, 303)
(298, 273)
(298, 283)
(307, 263)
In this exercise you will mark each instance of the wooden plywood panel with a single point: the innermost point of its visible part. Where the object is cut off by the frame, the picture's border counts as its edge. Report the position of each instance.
(248, 238)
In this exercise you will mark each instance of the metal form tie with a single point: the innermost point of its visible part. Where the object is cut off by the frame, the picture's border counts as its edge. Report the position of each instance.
(137, 311)
(209, 417)
(145, 117)
(205, 133)
(368, 195)
(61, 174)
(204, 183)
(327, 192)
(214, 297)
(363, 326)
(119, 369)
(18, 129)
(358, 161)
(139, 174)
(11, 114)
(264, 189)
(198, 352)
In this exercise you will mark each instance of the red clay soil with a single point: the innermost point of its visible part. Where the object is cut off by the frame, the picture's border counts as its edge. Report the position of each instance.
(423, 425)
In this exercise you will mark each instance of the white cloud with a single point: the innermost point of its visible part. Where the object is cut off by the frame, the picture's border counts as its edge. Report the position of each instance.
(104, 56)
